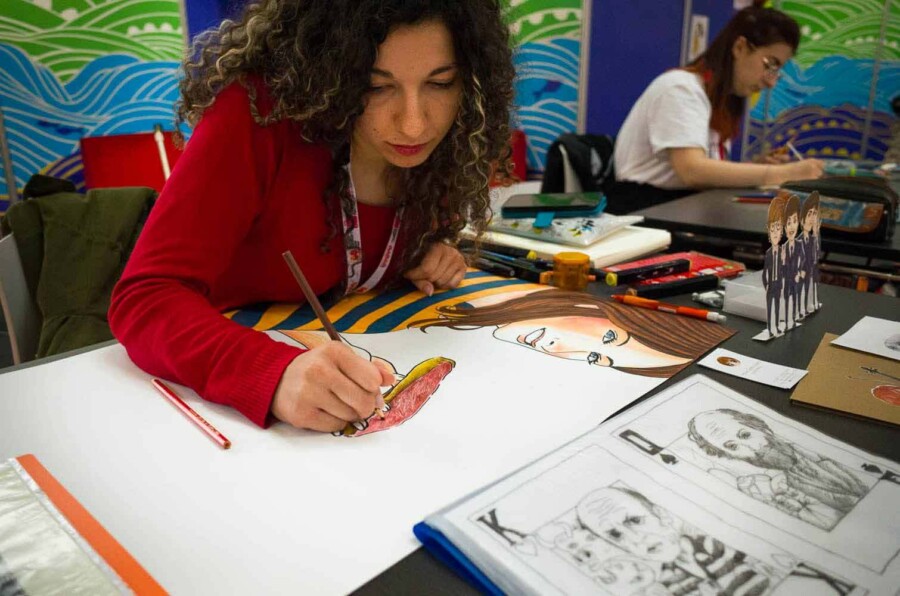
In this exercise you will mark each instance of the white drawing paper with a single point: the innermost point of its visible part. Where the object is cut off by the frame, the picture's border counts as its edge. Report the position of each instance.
(873, 335)
(319, 513)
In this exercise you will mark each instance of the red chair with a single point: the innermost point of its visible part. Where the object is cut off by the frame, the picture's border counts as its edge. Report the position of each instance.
(127, 160)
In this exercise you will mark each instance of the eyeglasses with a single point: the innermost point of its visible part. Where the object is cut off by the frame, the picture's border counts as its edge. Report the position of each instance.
(773, 68)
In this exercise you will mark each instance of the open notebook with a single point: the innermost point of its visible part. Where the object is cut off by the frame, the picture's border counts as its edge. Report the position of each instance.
(698, 490)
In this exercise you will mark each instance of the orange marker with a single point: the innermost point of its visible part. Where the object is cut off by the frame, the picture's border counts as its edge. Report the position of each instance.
(697, 313)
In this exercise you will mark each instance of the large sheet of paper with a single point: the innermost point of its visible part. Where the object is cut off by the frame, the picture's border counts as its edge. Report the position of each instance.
(285, 510)
(698, 490)
(873, 335)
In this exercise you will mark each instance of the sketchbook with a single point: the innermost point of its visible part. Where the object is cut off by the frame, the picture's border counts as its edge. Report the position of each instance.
(625, 244)
(698, 490)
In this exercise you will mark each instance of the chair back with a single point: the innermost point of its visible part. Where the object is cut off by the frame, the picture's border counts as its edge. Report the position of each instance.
(23, 320)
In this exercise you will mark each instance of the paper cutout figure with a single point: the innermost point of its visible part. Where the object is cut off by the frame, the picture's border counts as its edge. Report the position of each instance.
(772, 271)
(791, 268)
(809, 253)
(403, 400)
(790, 256)
(585, 328)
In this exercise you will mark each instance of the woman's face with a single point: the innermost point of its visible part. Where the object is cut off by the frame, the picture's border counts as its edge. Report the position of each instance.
(589, 339)
(757, 68)
(414, 97)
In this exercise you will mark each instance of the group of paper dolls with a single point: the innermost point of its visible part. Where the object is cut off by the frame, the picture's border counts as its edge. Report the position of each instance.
(791, 270)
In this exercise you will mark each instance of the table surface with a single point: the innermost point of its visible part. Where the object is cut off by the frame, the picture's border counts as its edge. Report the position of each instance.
(842, 309)
(716, 213)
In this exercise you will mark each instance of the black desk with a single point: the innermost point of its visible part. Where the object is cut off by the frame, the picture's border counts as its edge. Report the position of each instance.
(419, 572)
(714, 213)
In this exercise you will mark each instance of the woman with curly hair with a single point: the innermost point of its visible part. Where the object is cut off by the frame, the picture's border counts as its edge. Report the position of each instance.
(358, 134)
(677, 136)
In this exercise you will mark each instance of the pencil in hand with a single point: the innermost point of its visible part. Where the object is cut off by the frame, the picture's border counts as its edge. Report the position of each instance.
(313, 301)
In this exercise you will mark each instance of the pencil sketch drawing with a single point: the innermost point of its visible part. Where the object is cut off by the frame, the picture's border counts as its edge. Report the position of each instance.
(801, 483)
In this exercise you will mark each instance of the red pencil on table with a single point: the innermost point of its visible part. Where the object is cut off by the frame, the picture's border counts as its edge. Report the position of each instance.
(697, 313)
(192, 415)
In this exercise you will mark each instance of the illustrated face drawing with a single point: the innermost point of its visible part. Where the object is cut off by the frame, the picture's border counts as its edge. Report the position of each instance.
(775, 231)
(791, 225)
(629, 523)
(593, 340)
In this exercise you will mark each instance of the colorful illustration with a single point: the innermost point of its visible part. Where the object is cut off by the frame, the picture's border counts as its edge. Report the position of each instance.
(824, 94)
(402, 401)
(75, 68)
(588, 329)
(547, 37)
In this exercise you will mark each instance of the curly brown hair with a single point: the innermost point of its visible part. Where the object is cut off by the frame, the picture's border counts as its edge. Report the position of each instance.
(314, 58)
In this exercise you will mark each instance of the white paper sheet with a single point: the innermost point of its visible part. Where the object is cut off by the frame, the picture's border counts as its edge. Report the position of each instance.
(752, 369)
(873, 335)
(287, 511)
(639, 507)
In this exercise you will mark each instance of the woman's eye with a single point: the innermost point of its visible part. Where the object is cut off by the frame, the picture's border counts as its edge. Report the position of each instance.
(442, 84)
(377, 88)
(609, 337)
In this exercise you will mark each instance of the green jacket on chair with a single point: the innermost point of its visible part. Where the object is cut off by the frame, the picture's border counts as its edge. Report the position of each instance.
(73, 248)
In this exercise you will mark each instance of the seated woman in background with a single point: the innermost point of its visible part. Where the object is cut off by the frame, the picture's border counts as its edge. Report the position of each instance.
(678, 134)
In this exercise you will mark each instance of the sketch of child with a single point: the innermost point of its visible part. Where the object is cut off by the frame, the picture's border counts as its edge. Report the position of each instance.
(791, 260)
(809, 483)
(772, 273)
(690, 562)
(605, 564)
(585, 328)
(809, 256)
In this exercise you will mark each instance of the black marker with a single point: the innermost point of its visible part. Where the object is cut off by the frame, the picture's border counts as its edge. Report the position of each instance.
(679, 286)
(627, 276)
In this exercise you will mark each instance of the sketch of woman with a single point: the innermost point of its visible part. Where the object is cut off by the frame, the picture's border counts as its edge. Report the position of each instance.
(586, 328)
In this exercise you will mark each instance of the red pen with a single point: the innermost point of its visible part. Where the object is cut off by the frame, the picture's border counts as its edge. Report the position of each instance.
(193, 416)
(697, 313)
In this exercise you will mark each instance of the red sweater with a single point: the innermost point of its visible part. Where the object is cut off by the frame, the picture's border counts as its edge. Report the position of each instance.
(240, 195)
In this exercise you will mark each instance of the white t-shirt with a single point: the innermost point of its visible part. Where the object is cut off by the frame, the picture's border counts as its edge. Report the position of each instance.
(673, 112)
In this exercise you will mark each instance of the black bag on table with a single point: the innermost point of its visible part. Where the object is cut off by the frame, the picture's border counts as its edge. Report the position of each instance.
(853, 207)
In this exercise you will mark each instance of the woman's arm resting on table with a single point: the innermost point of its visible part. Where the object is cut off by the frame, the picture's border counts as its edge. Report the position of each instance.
(696, 170)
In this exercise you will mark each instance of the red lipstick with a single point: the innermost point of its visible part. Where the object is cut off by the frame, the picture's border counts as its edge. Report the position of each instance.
(408, 149)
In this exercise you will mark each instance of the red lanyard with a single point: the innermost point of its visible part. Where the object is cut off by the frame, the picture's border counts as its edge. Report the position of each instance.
(353, 246)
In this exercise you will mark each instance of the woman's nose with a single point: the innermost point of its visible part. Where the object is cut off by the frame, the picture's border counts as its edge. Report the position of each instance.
(412, 118)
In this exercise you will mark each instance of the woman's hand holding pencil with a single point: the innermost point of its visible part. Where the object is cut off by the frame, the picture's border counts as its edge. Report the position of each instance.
(328, 386)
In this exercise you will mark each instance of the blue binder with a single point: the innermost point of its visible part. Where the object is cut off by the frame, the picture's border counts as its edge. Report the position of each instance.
(437, 544)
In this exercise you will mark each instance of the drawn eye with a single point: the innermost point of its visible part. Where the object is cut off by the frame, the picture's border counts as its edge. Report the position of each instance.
(730, 445)
(744, 434)
(634, 520)
(609, 337)
(614, 534)
(593, 358)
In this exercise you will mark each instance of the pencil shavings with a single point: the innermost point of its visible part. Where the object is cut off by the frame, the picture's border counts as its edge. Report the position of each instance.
(406, 397)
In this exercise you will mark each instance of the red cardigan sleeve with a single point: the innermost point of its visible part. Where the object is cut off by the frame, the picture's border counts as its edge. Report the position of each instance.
(160, 309)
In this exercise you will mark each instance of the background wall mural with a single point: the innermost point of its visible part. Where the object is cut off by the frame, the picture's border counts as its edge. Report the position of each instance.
(75, 68)
(835, 95)
(547, 36)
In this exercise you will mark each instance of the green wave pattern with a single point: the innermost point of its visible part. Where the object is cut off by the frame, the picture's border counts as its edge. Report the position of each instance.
(849, 28)
(74, 33)
(534, 20)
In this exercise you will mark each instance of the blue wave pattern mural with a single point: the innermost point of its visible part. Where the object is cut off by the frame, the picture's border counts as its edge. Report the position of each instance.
(75, 68)
(823, 96)
(547, 35)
